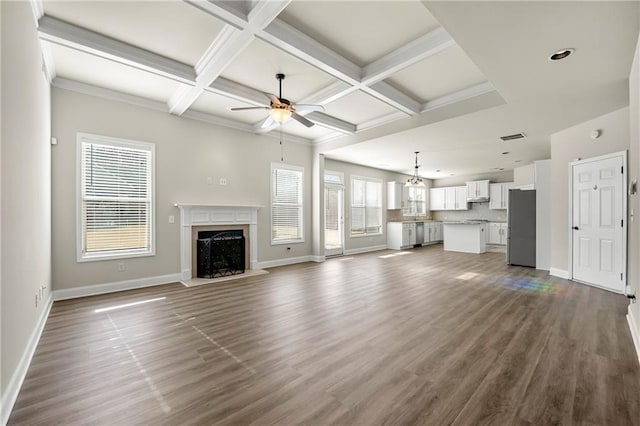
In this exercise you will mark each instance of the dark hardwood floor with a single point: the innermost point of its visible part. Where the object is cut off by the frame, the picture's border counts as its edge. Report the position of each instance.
(428, 337)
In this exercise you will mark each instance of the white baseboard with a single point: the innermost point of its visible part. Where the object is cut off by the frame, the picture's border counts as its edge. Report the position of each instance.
(560, 273)
(634, 332)
(92, 290)
(15, 383)
(365, 249)
(287, 261)
(319, 259)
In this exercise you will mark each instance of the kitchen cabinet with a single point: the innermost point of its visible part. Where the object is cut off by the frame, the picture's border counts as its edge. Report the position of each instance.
(461, 198)
(408, 234)
(401, 235)
(497, 233)
(435, 232)
(396, 196)
(449, 198)
(437, 197)
(478, 189)
(499, 195)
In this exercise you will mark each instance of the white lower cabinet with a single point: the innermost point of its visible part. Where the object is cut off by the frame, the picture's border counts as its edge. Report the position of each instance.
(497, 233)
(401, 235)
(435, 232)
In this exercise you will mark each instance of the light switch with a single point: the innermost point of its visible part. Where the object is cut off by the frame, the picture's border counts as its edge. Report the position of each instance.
(223, 181)
(172, 219)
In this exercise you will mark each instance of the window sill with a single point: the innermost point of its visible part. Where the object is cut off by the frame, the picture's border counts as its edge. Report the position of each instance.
(113, 256)
(366, 235)
(279, 243)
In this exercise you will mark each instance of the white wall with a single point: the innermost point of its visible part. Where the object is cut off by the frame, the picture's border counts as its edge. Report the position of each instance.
(524, 175)
(26, 193)
(567, 146)
(633, 223)
(187, 153)
(543, 213)
(495, 177)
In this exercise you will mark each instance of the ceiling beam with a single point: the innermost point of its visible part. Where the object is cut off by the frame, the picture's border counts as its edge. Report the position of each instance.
(224, 10)
(65, 34)
(418, 50)
(231, 41)
(296, 43)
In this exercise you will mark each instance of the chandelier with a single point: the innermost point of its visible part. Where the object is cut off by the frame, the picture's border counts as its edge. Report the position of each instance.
(415, 180)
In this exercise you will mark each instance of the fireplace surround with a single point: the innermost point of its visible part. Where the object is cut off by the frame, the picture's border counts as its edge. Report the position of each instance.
(196, 218)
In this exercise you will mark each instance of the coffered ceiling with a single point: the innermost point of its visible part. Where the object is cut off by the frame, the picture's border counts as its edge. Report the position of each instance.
(443, 78)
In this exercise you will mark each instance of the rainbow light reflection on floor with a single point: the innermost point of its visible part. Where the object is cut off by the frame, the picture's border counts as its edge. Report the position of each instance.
(528, 284)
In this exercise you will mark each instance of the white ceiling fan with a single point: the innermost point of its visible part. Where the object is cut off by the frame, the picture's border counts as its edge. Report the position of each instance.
(281, 109)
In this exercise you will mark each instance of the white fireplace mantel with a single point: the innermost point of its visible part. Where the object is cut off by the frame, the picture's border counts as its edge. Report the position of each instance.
(215, 214)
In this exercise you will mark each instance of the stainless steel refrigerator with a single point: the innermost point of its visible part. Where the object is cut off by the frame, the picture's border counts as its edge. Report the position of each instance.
(521, 235)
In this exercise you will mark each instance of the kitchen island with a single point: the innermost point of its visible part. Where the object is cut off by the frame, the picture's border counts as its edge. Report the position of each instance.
(466, 237)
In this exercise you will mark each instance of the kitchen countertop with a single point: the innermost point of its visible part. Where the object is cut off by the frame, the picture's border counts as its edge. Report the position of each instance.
(413, 221)
(466, 222)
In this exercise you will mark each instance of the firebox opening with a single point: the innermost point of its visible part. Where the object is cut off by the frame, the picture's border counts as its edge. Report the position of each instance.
(220, 253)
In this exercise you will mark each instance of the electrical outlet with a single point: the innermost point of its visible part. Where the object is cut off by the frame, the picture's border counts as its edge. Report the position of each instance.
(172, 219)
(121, 267)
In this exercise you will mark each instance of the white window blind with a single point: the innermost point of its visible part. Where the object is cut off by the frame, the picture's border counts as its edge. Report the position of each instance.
(116, 194)
(286, 204)
(416, 201)
(366, 206)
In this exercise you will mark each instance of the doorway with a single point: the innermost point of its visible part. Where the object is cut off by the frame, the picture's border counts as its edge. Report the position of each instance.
(333, 220)
(598, 246)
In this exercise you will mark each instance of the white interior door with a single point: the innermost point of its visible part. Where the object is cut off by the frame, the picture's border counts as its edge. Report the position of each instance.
(597, 228)
(333, 220)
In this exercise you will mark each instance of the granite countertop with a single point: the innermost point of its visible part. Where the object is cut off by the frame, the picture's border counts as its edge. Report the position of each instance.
(413, 221)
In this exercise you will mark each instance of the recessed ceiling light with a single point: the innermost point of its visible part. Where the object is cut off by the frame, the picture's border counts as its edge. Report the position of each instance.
(505, 153)
(501, 168)
(518, 161)
(561, 54)
(438, 170)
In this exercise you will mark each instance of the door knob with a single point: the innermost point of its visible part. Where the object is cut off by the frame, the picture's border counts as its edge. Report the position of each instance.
(576, 228)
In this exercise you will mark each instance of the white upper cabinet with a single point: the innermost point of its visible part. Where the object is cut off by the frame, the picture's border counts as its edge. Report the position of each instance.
(478, 189)
(449, 198)
(396, 196)
(437, 198)
(461, 198)
(499, 195)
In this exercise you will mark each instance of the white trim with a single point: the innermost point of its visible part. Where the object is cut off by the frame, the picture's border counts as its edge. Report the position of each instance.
(215, 214)
(365, 249)
(15, 383)
(113, 142)
(93, 290)
(288, 261)
(633, 328)
(291, 168)
(560, 273)
(625, 165)
(318, 259)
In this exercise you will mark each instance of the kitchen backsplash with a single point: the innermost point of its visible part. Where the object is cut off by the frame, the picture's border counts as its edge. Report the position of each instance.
(477, 211)
(397, 216)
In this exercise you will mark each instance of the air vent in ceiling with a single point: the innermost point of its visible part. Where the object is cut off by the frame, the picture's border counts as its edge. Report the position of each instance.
(514, 136)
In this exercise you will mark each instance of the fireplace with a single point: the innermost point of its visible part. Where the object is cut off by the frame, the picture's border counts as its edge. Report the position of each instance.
(197, 218)
(220, 253)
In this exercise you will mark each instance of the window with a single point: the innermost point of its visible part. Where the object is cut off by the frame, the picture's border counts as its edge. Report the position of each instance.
(115, 201)
(286, 204)
(366, 206)
(416, 201)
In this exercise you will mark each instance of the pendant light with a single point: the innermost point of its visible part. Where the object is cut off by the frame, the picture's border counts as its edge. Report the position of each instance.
(415, 180)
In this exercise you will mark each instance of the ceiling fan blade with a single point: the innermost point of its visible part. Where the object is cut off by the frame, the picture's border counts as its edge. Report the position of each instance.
(246, 108)
(308, 108)
(301, 119)
(268, 123)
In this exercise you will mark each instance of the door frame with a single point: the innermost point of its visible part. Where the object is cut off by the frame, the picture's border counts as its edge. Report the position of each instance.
(339, 186)
(625, 169)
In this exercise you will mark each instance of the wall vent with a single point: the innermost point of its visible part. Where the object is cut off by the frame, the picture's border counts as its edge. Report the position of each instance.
(514, 136)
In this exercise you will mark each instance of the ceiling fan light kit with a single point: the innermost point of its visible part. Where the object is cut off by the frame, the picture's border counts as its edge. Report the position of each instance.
(281, 109)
